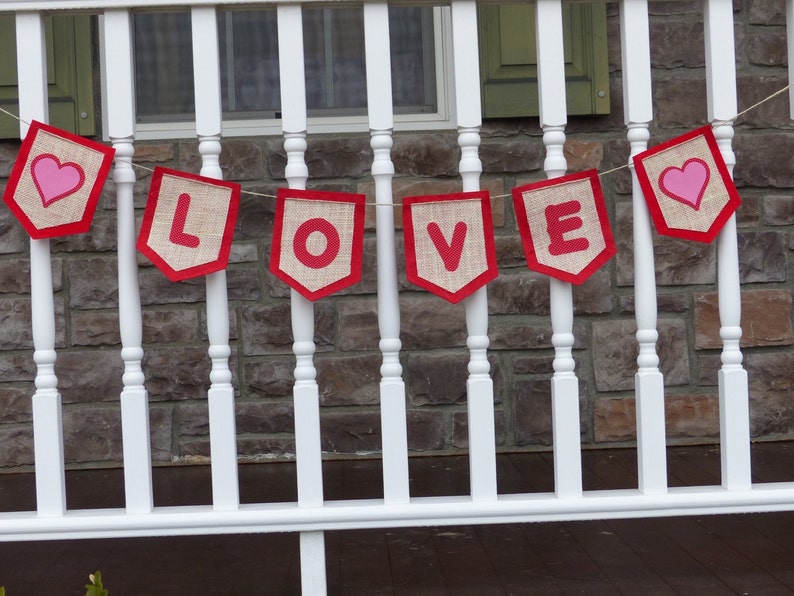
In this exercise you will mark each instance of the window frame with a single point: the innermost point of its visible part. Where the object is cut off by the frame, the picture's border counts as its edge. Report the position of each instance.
(442, 119)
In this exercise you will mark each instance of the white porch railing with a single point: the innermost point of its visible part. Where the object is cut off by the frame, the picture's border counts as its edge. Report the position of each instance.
(310, 515)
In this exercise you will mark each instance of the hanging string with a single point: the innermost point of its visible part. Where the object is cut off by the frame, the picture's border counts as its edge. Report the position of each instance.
(715, 124)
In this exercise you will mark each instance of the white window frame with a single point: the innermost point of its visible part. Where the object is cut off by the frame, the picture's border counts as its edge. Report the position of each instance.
(443, 119)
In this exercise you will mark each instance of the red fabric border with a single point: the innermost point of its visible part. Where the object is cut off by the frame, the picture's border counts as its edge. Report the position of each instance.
(78, 227)
(359, 202)
(148, 218)
(734, 200)
(410, 245)
(525, 230)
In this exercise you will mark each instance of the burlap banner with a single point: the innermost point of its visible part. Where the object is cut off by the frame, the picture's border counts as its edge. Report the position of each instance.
(318, 240)
(564, 226)
(687, 186)
(449, 243)
(188, 223)
(56, 181)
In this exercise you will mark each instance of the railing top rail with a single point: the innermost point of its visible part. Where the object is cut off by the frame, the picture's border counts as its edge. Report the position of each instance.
(55, 6)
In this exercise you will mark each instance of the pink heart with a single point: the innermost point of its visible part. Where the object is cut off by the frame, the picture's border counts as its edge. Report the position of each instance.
(686, 184)
(54, 180)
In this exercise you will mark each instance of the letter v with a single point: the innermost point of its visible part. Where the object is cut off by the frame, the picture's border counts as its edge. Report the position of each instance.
(450, 253)
(178, 234)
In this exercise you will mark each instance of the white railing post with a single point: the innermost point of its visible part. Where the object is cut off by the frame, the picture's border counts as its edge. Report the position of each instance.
(120, 110)
(47, 413)
(564, 384)
(733, 387)
(308, 448)
(479, 387)
(220, 397)
(381, 122)
(648, 380)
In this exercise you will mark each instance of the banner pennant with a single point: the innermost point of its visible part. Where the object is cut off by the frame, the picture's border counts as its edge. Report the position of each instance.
(687, 186)
(318, 240)
(564, 226)
(188, 223)
(449, 243)
(56, 181)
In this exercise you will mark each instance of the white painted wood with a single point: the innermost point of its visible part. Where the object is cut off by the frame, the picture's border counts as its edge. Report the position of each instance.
(479, 386)
(564, 384)
(220, 397)
(372, 513)
(47, 414)
(551, 71)
(733, 387)
(120, 114)
(392, 388)
(306, 395)
(293, 78)
(466, 59)
(648, 380)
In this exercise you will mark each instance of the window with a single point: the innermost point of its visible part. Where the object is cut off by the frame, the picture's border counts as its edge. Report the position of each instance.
(250, 92)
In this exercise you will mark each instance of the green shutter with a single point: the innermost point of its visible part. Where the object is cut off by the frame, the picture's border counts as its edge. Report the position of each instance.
(69, 74)
(508, 59)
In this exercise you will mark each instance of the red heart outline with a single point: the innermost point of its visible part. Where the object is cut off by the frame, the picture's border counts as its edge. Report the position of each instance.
(44, 193)
(689, 201)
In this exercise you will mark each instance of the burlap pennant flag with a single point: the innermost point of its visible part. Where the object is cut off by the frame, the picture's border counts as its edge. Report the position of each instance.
(188, 223)
(564, 226)
(318, 240)
(687, 186)
(449, 243)
(56, 181)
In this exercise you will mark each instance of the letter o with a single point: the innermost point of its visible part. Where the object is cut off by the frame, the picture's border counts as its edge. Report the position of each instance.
(301, 238)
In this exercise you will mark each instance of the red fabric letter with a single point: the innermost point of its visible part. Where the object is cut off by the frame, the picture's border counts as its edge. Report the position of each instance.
(332, 242)
(178, 234)
(450, 253)
(559, 222)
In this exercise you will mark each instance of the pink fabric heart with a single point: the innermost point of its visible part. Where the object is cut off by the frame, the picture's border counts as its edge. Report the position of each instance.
(686, 184)
(54, 180)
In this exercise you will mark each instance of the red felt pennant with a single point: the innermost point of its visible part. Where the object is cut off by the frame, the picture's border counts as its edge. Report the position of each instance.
(56, 181)
(318, 240)
(449, 243)
(687, 186)
(188, 224)
(564, 226)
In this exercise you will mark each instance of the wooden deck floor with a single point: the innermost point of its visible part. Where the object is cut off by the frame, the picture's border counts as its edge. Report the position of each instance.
(705, 555)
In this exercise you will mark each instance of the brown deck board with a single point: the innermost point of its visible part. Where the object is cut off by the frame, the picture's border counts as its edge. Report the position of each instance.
(703, 555)
(737, 571)
(680, 570)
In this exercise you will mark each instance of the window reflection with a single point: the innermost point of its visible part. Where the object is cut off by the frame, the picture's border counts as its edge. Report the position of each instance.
(334, 63)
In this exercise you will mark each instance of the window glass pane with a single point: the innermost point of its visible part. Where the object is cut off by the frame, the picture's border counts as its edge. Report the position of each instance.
(249, 62)
(163, 60)
(334, 62)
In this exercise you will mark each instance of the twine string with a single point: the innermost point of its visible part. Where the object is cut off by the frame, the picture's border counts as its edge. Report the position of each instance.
(715, 124)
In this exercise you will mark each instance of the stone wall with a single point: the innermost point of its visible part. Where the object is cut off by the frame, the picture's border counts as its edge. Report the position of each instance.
(433, 332)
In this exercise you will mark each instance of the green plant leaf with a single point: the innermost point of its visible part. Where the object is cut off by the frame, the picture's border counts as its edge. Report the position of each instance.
(95, 588)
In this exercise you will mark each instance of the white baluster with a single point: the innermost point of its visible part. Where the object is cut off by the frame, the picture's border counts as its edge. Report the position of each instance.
(564, 384)
(306, 393)
(119, 77)
(479, 387)
(220, 397)
(381, 122)
(733, 389)
(47, 413)
(648, 381)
